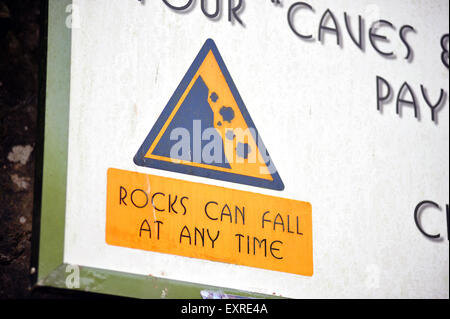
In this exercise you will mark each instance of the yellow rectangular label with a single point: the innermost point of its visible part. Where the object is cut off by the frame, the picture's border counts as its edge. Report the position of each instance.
(201, 221)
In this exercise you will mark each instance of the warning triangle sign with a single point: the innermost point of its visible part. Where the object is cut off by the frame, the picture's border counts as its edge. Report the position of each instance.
(205, 130)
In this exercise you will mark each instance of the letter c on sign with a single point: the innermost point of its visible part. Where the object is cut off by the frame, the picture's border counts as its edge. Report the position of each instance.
(294, 7)
(416, 218)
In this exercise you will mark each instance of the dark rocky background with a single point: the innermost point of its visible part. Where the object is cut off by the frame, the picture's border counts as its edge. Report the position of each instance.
(20, 57)
(19, 69)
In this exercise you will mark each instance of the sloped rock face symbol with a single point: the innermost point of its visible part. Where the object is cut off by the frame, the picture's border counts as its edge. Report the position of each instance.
(206, 130)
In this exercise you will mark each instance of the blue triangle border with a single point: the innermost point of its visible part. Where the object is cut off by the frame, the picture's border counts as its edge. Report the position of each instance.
(141, 160)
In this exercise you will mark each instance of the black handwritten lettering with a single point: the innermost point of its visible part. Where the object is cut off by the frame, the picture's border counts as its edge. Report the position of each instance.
(272, 248)
(211, 15)
(241, 212)
(185, 233)
(133, 199)
(201, 234)
(122, 198)
(172, 203)
(226, 212)
(298, 225)
(158, 229)
(264, 220)
(360, 42)
(213, 240)
(294, 7)
(328, 15)
(404, 29)
(206, 210)
(153, 201)
(289, 224)
(239, 236)
(401, 100)
(374, 36)
(183, 205)
(233, 10)
(434, 107)
(146, 229)
(381, 98)
(256, 245)
(260, 243)
(180, 8)
(444, 46)
(278, 221)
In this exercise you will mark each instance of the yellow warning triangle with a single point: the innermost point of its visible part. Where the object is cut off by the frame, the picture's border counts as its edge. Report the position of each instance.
(206, 130)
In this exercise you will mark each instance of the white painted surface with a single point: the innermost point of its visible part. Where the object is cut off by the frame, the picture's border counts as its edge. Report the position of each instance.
(315, 107)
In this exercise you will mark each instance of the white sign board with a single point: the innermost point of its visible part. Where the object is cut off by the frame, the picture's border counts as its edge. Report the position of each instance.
(318, 93)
